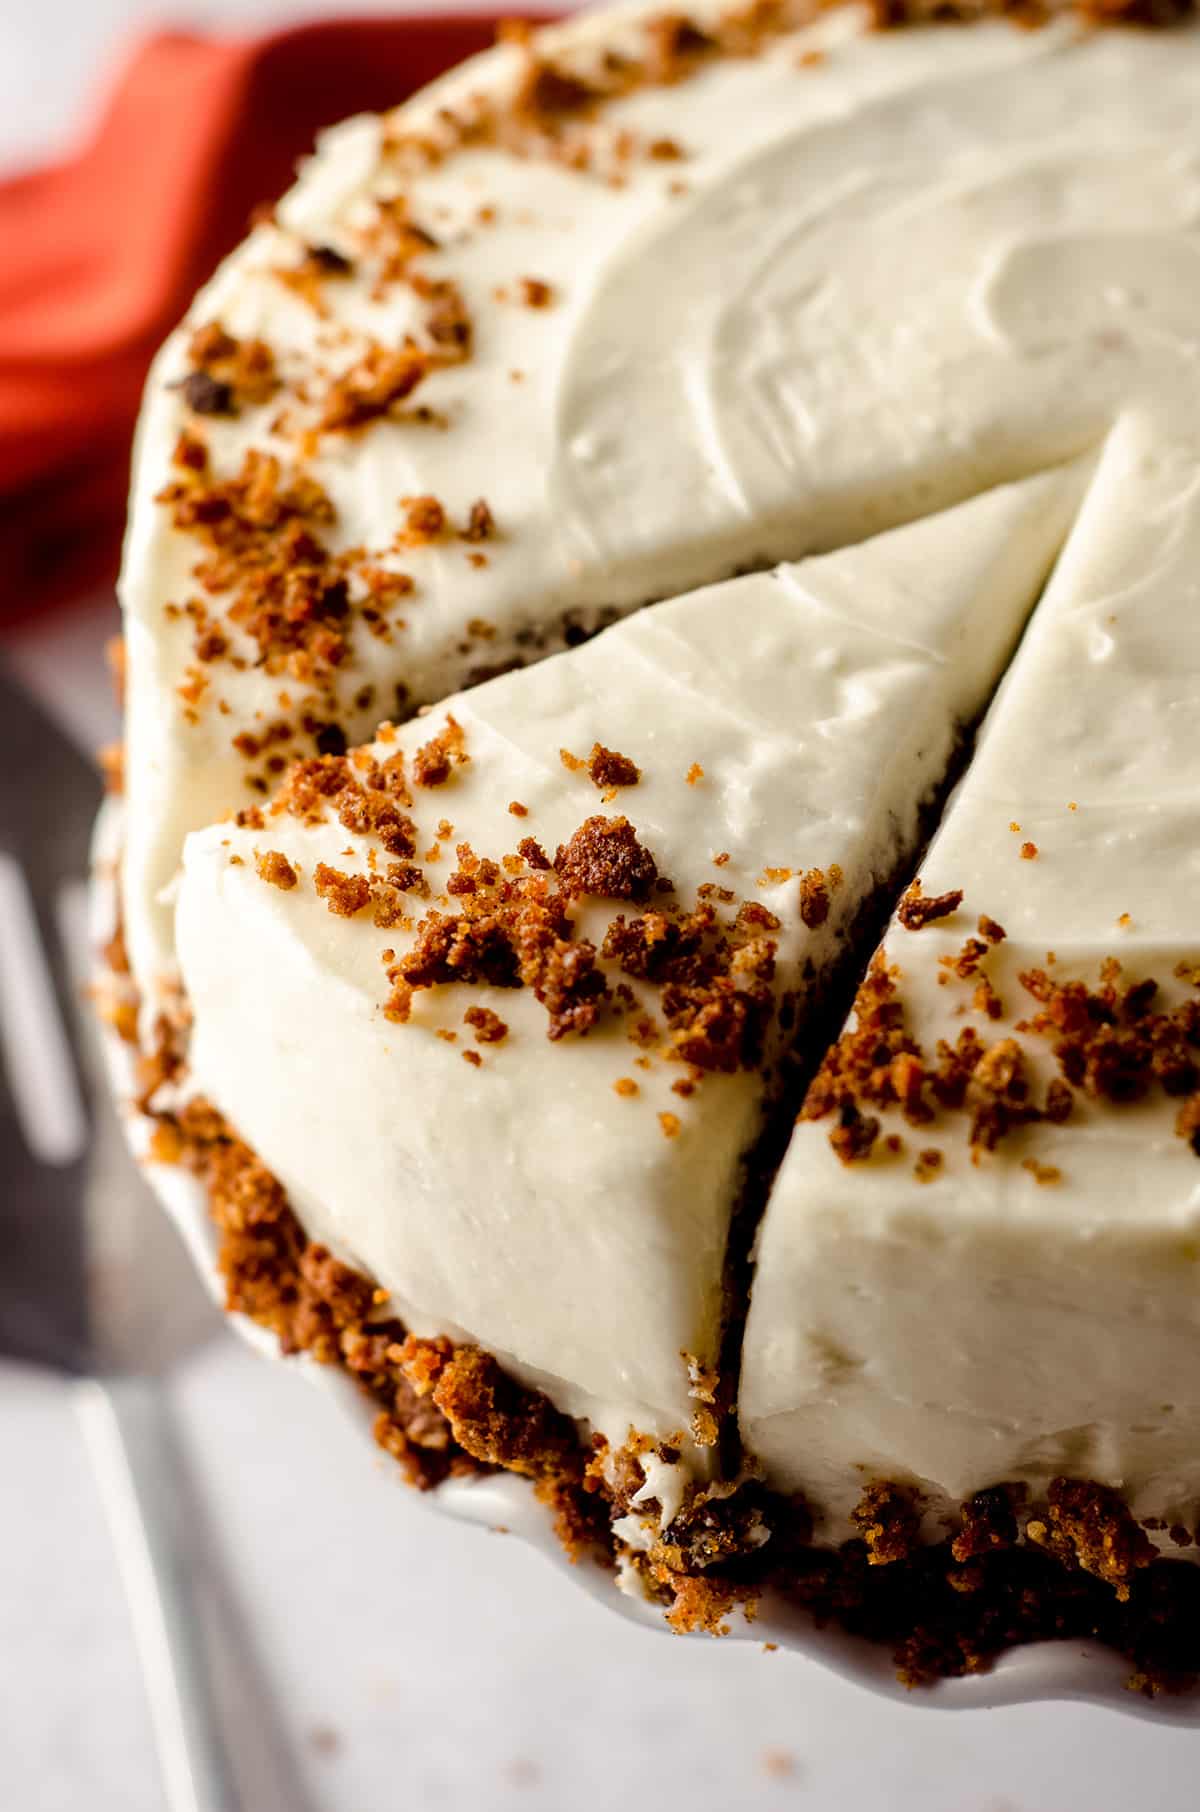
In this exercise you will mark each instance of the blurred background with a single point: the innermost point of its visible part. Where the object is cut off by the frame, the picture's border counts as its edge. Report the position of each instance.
(376, 1656)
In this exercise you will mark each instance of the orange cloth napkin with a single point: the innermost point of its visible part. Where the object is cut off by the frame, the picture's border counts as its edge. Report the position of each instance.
(103, 252)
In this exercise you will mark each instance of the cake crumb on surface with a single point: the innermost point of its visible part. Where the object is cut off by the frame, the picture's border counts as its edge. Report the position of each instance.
(609, 768)
(273, 866)
(918, 909)
(814, 898)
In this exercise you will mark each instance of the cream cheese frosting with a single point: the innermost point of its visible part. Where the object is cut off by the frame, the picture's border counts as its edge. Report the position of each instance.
(562, 1202)
(776, 341)
(806, 295)
(1028, 1311)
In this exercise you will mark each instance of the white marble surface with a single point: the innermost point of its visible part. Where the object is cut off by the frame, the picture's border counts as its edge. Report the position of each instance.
(416, 1663)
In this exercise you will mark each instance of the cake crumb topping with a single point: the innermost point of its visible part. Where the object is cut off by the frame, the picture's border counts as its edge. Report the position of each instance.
(227, 374)
(274, 867)
(605, 858)
(344, 894)
(814, 898)
(918, 909)
(608, 768)
(435, 760)
(487, 1026)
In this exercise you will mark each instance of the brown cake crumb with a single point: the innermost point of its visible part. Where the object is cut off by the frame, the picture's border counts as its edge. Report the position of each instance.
(928, 1165)
(625, 1085)
(695, 774)
(990, 931)
(604, 858)
(989, 1522)
(532, 852)
(434, 760)
(548, 91)
(534, 292)
(966, 963)
(473, 1058)
(488, 1027)
(481, 524)
(498, 1421)
(228, 374)
(518, 810)
(890, 1522)
(373, 389)
(424, 520)
(367, 798)
(606, 767)
(275, 868)
(262, 551)
(1029, 852)
(670, 1124)
(344, 894)
(814, 898)
(986, 1000)
(918, 909)
(1042, 1173)
(854, 1135)
(1110, 1041)
(206, 395)
(1089, 1525)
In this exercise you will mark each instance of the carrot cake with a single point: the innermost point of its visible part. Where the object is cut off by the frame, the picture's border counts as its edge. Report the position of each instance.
(574, 546)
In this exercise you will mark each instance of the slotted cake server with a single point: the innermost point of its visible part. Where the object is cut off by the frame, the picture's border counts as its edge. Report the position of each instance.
(93, 1281)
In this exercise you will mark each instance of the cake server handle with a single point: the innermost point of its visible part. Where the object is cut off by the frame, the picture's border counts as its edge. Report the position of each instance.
(125, 1425)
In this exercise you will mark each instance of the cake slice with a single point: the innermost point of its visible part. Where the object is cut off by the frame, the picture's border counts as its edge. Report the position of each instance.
(979, 1263)
(501, 998)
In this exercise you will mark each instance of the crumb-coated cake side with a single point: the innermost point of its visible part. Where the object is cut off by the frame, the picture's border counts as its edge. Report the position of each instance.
(741, 378)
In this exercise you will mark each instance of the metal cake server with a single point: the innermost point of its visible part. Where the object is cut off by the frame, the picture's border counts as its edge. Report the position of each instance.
(93, 1281)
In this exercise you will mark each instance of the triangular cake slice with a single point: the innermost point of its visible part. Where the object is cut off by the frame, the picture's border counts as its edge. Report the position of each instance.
(500, 997)
(980, 1259)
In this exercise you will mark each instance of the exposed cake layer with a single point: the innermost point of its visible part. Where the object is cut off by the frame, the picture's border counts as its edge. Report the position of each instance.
(597, 321)
(1012, 1292)
(499, 998)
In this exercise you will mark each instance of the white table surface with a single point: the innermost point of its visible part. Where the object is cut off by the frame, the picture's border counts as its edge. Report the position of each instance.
(414, 1663)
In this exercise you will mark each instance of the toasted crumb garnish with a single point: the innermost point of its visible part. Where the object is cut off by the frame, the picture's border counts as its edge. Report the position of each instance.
(488, 1027)
(609, 768)
(273, 866)
(534, 292)
(918, 909)
(1042, 1173)
(814, 898)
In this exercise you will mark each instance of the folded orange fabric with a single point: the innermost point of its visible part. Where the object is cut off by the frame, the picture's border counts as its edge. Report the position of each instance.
(103, 252)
